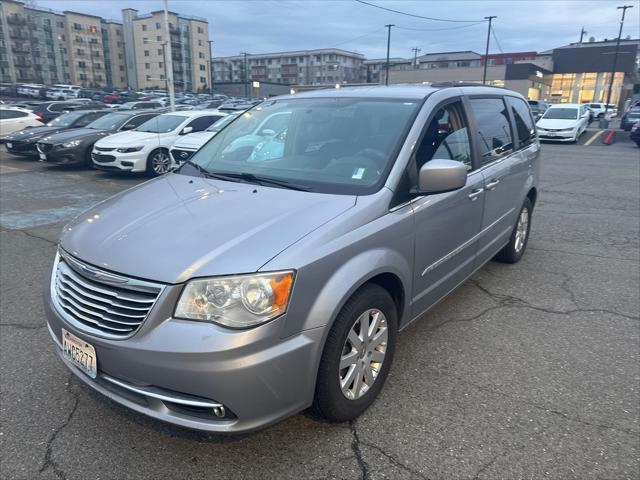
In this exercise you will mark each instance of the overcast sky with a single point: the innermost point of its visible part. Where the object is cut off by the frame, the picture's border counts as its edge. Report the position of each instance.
(261, 26)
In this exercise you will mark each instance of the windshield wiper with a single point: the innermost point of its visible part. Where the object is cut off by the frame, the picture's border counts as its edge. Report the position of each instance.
(259, 179)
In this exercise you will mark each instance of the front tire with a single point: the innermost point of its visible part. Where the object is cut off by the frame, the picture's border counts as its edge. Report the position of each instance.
(158, 162)
(357, 355)
(513, 251)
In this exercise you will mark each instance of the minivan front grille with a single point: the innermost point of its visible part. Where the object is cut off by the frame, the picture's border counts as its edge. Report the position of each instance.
(100, 302)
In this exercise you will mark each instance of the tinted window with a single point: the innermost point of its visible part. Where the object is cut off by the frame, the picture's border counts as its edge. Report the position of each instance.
(88, 118)
(446, 137)
(58, 107)
(162, 124)
(110, 121)
(525, 128)
(203, 123)
(494, 131)
(9, 114)
(65, 120)
(561, 113)
(139, 120)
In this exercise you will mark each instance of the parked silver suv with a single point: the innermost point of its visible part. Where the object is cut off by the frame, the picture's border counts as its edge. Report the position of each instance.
(272, 273)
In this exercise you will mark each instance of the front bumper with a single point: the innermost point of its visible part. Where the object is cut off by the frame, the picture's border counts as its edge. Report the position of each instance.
(259, 377)
(63, 156)
(123, 162)
(557, 136)
(21, 148)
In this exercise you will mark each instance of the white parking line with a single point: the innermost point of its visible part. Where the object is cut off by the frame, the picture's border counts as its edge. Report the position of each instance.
(8, 169)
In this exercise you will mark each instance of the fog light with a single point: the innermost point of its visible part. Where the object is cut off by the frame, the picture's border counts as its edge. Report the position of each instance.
(127, 164)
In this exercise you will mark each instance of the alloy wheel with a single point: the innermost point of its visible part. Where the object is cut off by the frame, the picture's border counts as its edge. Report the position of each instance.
(160, 163)
(522, 229)
(363, 354)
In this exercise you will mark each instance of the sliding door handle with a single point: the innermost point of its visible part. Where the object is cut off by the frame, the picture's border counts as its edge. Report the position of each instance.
(492, 184)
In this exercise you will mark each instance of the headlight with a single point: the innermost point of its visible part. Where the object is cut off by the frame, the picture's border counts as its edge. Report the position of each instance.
(73, 143)
(129, 149)
(239, 301)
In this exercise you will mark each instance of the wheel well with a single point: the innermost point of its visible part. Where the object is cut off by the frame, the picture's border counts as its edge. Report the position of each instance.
(392, 284)
(533, 195)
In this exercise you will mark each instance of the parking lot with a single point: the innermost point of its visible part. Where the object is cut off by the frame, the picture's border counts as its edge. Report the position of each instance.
(529, 370)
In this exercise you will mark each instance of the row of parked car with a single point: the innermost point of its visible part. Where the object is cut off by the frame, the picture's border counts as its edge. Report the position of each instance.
(132, 139)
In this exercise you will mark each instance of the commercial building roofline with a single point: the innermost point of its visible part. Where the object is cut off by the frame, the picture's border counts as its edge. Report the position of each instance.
(80, 13)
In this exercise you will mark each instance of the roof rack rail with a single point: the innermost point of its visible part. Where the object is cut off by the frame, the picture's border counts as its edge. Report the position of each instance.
(460, 84)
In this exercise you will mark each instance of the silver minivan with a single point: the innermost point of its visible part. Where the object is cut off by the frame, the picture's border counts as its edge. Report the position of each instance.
(272, 272)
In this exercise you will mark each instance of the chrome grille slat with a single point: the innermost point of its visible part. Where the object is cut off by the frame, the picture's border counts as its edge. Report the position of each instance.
(77, 298)
(99, 302)
(108, 300)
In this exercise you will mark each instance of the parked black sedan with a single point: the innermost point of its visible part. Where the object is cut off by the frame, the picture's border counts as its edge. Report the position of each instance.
(635, 133)
(630, 118)
(24, 142)
(74, 147)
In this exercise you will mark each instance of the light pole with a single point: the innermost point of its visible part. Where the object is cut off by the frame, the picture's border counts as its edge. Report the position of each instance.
(486, 51)
(386, 77)
(604, 123)
(415, 51)
(245, 76)
(168, 60)
(210, 68)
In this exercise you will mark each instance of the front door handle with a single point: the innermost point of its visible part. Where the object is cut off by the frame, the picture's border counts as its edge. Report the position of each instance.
(473, 196)
(492, 184)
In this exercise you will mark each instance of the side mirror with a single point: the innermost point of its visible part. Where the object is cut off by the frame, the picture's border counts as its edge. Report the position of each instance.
(267, 132)
(129, 126)
(438, 176)
(186, 130)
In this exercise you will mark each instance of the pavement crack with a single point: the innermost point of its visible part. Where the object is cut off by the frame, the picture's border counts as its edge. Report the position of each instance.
(48, 461)
(357, 451)
(21, 326)
(584, 422)
(394, 460)
(33, 235)
(487, 465)
(582, 254)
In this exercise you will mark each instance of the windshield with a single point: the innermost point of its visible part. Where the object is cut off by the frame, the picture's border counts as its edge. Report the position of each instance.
(65, 120)
(561, 114)
(220, 124)
(111, 121)
(330, 145)
(162, 124)
(635, 113)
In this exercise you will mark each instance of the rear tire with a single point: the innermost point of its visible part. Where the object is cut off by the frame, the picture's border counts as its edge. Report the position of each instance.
(362, 341)
(513, 251)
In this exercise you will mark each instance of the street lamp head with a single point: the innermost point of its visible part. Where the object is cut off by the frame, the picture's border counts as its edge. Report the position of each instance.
(625, 7)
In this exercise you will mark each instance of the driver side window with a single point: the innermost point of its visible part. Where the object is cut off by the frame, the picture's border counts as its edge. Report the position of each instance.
(446, 137)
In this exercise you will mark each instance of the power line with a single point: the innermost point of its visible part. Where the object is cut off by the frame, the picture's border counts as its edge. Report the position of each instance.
(440, 29)
(493, 33)
(414, 15)
(357, 38)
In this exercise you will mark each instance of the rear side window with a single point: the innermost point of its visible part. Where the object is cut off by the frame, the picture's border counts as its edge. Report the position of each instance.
(88, 118)
(525, 128)
(10, 114)
(494, 130)
(58, 107)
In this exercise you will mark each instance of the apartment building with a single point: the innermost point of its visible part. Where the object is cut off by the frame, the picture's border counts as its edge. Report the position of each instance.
(307, 67)
(44, 46)
(145, 43)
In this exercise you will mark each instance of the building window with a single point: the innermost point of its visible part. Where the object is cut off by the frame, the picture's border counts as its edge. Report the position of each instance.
(160, 51)
(122, 68)
(159, 38)
(199, 43)
(146, 53)
(157, 25)
(60, 24)
(200, 30)
(160, 64)
(147, 66)
(144, 28)
(203, 68)
(203, 80)
(93, 29)
(200, 55)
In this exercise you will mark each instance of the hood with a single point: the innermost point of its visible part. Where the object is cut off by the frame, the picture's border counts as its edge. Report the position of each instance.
(193, 141)
(178, 227)
(556, 124)
(128, 138)
(35, 133)
(75, 134)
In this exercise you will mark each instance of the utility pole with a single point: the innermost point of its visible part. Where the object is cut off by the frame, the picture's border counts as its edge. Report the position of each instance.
(486, 51)
(386, 77)
(245, 75)
(169, 60)
(415, 51)
(582, 34)
(613, 68)
(210, 68)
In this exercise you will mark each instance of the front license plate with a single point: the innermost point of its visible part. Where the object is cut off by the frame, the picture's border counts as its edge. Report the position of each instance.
(43, 156)
(9, 145)
(80, 353)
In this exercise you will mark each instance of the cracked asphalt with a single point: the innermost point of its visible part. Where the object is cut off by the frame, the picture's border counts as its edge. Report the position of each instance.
(526, 371)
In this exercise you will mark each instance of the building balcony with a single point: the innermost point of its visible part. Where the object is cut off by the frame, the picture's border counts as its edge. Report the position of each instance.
(18, 34)
(21, 49)
(15, 19)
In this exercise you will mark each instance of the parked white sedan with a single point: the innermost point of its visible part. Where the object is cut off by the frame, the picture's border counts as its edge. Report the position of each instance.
(146, 149)
(13, 119)
(563, 122)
